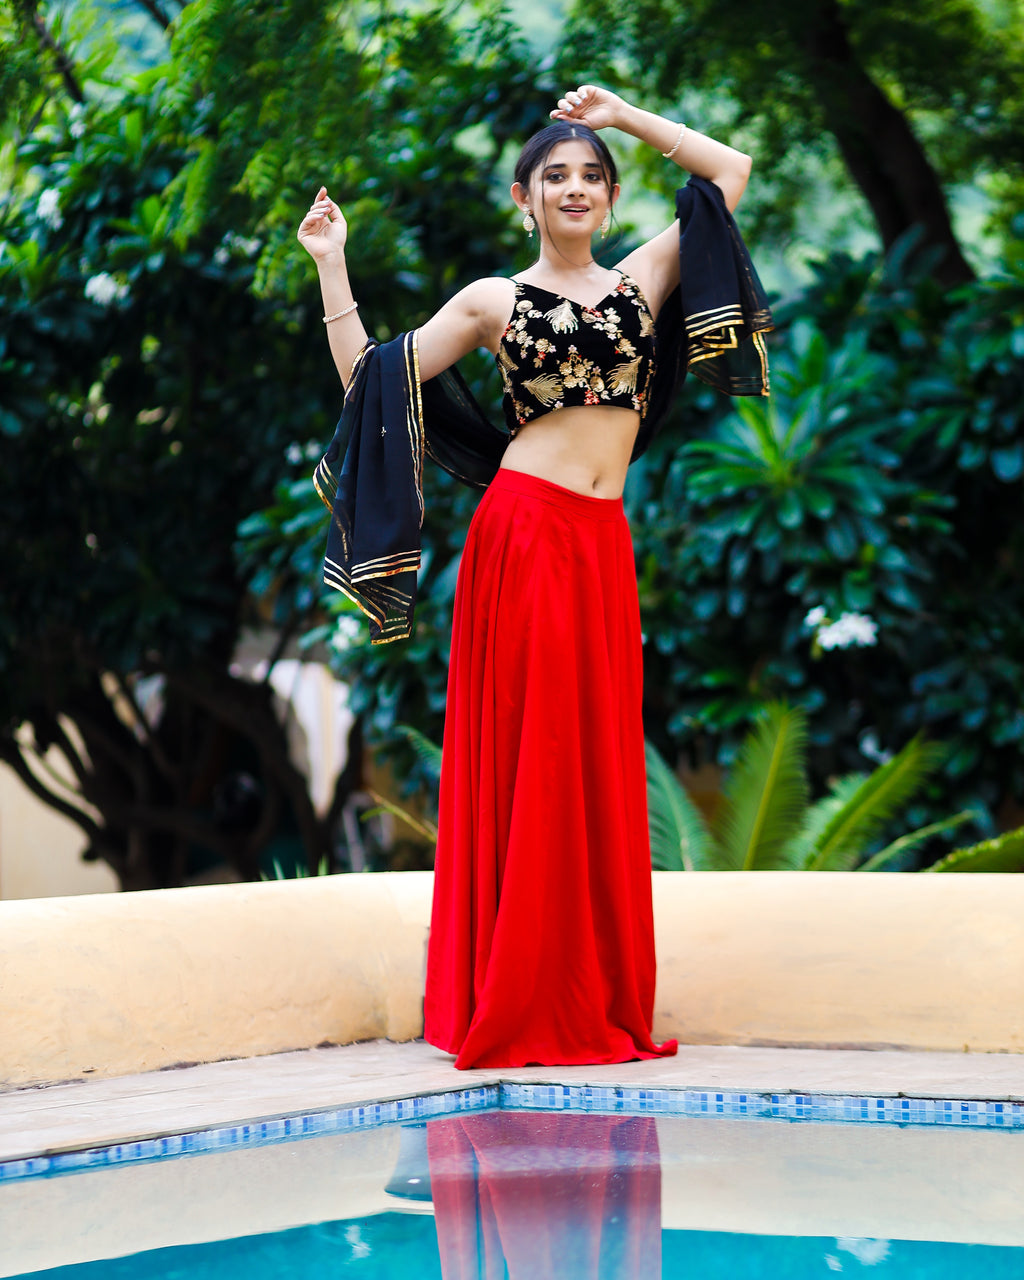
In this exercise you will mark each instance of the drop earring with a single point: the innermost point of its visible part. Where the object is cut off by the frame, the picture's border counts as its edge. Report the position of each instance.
(528, 223)
(606, 223)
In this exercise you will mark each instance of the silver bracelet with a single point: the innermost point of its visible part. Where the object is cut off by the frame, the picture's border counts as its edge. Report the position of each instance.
(338, 314)
(669, 154)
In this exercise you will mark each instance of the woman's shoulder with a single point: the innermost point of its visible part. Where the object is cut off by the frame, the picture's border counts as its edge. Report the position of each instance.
(488, 288)
(488, 301)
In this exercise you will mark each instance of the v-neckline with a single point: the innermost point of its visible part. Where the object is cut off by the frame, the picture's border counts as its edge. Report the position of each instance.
(526, 284)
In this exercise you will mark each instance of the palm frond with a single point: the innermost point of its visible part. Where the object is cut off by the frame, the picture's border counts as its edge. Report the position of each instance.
(1003, 853)
(766, 795)
(422, 826)
(913, 839)
(679, 834)
(874, 803)
(801, 849)
(428, 752)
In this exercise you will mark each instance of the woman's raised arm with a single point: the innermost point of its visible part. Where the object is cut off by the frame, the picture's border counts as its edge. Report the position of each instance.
(726, 167)
(655, 265)
(474, 318)
(322, 233)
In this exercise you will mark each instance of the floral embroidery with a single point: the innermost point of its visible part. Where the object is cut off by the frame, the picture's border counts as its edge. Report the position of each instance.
(546, 388)
(623, 377)
(610, 361)
(562, 318)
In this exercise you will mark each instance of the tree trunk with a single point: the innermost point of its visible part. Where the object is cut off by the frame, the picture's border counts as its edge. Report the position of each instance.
(884, 157)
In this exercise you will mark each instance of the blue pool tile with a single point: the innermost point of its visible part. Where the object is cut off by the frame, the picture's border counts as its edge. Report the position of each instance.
(796, 1107)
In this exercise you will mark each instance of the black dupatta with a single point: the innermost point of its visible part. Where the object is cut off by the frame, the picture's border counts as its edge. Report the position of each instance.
(371, 477)
(375, 491)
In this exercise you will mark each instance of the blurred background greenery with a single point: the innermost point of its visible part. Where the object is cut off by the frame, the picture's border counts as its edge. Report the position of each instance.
(851, 548)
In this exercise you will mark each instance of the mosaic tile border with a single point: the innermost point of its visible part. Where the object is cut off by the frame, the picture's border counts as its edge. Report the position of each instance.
(772, 1106)
(259, 1133)
(950, 1112)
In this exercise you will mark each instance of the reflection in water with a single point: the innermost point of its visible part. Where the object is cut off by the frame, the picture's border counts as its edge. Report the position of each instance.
(535, 1195)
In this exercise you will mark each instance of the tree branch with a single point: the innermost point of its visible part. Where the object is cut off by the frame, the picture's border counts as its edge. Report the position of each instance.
(155, 12)
(877, 143)
(62, 60)
(247, 708)
(152, 742)
(11, 754)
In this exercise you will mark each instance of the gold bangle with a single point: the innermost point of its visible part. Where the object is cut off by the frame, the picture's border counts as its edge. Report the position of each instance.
(669, 154)
(338, 314)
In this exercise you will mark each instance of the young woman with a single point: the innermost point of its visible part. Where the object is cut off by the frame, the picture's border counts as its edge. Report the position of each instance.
(541, 945)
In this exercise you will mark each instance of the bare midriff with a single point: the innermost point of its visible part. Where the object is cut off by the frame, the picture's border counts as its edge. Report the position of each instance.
(585, 448)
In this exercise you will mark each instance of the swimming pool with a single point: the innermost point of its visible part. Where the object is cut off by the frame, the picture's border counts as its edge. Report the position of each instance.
(541, 1180)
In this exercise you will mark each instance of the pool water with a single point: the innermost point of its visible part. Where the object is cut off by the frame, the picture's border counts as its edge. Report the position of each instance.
(391, 1246)
(526, 1195)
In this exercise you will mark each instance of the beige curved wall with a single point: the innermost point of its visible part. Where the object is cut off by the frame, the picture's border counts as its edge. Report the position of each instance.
(841, 960)
(112, 984)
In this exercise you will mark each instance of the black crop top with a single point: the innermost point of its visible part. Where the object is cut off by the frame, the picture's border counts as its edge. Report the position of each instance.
(556, 352)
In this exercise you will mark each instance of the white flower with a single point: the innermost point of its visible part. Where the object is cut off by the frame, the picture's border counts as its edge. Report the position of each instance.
(104, 289)
(294, 454)
(76, 121)
(221, 256)
(815, 617)
(849, 629)
(48, 208)
(346, 633)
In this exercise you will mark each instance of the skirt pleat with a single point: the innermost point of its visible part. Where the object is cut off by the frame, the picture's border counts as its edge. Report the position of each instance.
(542, 938)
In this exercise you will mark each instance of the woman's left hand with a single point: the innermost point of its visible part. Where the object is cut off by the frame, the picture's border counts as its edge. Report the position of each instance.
(590, 105)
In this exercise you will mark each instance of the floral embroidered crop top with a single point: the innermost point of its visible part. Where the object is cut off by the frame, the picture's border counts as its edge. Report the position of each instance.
(556, 352)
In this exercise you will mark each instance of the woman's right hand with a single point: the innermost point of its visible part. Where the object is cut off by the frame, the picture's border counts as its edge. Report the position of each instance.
(323, 231)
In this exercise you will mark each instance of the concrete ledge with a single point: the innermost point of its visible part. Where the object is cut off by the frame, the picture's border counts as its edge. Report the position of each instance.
(114, 984)
(833, 960)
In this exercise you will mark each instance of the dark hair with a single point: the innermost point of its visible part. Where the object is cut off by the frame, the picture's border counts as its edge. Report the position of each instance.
(534, 155)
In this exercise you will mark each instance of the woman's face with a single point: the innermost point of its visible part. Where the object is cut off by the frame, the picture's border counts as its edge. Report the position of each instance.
(569, 193)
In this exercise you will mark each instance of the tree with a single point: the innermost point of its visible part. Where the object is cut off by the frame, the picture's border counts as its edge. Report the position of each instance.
(162, 359)
(877, 78)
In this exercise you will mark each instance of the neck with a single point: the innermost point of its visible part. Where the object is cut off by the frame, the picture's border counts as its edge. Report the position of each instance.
(563, 259)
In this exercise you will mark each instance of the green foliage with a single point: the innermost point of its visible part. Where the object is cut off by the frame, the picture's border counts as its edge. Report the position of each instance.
(139, 431)
(861, 489)
(161, 359)
(1003, 853)
(428, 752)
(868, 804)
(765, 822)
(883, 479)
(680, 840)
(323, 868)
(765, 794)
(781, 81)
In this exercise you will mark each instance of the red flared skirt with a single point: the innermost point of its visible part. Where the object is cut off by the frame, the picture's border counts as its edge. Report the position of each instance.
(542, 937)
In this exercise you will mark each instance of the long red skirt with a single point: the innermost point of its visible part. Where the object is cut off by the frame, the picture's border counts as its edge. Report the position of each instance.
(542, 936)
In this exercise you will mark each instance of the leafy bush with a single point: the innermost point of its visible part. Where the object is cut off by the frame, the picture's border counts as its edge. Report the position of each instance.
(881, 481)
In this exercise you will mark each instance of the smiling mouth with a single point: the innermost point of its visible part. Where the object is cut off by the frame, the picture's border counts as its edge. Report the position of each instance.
(574, 208)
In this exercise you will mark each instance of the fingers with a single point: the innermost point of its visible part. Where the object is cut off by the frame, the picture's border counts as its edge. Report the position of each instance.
(575, 102)
(323, 212)
(324, 220)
